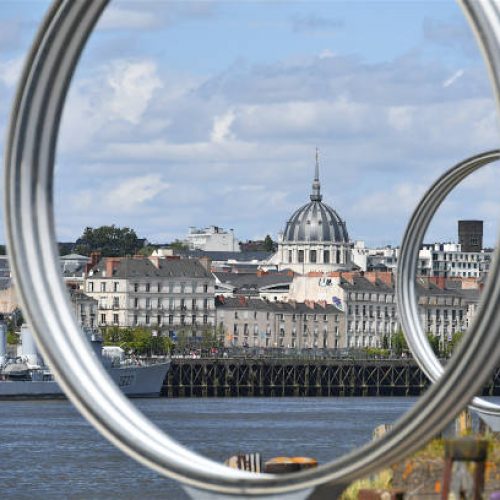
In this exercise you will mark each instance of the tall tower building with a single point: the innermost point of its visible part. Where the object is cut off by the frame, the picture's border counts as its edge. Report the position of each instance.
(470, 235)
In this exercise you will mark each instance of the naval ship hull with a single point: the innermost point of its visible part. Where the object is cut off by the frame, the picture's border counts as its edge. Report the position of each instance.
(134, 381)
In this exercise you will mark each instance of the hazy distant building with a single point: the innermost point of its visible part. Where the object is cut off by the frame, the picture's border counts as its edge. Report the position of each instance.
(315, 238)
(212, 239)
(470, 235)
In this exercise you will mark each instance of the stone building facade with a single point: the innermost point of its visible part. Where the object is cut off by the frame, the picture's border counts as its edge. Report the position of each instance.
(84, 307)
(371, 311)
(167, 295)
(259, 323)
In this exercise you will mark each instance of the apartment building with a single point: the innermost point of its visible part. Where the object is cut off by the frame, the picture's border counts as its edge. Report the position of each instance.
(168, 295)
(259, 323)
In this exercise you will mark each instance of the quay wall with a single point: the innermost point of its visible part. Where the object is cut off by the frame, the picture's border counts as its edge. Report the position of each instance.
(282, 377)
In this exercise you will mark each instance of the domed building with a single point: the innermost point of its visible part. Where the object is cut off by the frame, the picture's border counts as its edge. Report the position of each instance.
(315, 237)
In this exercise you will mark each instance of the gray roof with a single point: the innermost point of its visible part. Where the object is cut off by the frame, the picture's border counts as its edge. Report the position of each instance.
(263, 305)
(316, 221)
(252, 282)
(144, 268)
(424, 287)
(225, 256)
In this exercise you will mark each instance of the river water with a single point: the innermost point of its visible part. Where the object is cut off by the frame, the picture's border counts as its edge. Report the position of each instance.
(47, 450)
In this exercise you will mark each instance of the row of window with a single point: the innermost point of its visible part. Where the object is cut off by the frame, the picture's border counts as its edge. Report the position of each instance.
(157, 320)
(372, 311)
(246, 329)
(314, 256)
(172, 287)
(280, 316)
(372, 297)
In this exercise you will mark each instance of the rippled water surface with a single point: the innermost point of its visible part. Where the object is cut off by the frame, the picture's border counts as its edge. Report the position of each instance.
(48, 450)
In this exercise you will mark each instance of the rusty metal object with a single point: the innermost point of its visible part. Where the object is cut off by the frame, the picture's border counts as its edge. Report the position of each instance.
(465, 450)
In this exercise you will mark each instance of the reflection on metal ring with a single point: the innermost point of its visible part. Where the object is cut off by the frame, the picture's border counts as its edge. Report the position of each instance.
(29, 164)
(407, 270)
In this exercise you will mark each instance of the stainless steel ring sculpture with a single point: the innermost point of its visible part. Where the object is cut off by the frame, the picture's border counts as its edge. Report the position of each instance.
(407, 270)
(29, 164)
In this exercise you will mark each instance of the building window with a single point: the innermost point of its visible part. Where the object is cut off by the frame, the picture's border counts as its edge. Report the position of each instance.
(326, 256)
(136, 287)
(235, 330)
(290, 255)
(158, 319)
(136, 303)
(91, 286)
(235, 314)
(301, 256)
(312, 256)
(148, 287)
(116, 284)
(183, 320)
(170, 319)
(148, 303)
(205, 319)
(158, 287)
(116, 302)
(147, 319)
(193, 304)
(115, 319)
(103, 286)
(205, 288)
(205, 303)
(193, 319)
(135, 319)
(103, 319)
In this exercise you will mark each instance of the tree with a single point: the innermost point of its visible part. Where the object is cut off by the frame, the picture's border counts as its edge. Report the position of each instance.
(398, 343)
(111, 241)
(268, 244)
(434, 343)
(454, 342)
(178, 245)
(385, 342)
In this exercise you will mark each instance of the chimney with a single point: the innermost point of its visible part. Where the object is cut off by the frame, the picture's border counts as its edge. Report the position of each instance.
(111, 265)
(206, 263)
(440, 281)
(95, 257)
(370, 276)
(385, 277)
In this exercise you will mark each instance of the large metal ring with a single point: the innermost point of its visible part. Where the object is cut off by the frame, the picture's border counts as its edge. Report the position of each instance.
(29, 165)
(407, 270)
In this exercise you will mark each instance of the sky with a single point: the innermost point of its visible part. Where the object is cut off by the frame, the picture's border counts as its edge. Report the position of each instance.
(206, 113)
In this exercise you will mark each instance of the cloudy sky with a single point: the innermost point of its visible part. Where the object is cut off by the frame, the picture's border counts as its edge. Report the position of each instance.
(196, 113)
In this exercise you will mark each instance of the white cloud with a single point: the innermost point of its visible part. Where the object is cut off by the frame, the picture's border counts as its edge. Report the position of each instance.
(221, 130)
(10, 71)
(133, 85)
(121, 18)
(400, 199)
(131, 193)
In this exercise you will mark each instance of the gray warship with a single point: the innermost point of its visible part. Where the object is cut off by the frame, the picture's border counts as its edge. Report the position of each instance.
(26, 376)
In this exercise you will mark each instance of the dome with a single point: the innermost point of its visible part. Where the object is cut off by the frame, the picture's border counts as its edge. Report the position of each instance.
(316, 221)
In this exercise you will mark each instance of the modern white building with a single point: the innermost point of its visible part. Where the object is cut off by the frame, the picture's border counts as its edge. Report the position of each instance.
(434, 260)
(212, 239)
